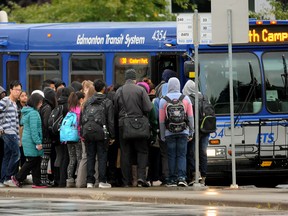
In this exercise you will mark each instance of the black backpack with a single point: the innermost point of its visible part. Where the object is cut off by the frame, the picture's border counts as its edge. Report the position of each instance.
(207, 118)
(93, 122)
(176, 117)
(55, 120)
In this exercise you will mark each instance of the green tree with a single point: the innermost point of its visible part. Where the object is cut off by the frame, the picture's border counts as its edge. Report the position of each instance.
(90, 10)
(279, 9)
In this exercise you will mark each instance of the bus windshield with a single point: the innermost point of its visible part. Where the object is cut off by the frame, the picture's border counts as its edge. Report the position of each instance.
(214, 81)
(275, 71)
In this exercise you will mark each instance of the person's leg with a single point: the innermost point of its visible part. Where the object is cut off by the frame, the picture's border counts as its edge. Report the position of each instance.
(25, 169)
(102, 148)
(181, 149)
(78, 147)
(72, 162)
(13, 154)
(142, 150)
(63, 166)
(203, 144)
(82, 170)
(44, 162)
(36, 171)
(164, 161)
(171, 152)
(125, 159)
(91, 149)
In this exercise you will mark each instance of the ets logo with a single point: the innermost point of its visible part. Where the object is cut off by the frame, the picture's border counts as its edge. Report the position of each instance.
(265, 138)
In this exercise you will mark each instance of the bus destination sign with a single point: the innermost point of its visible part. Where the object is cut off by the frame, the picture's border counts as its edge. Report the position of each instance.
(265, 34)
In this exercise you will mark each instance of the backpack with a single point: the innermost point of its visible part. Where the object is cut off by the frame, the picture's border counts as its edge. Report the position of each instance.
(55, 120)
(176, 117)
(68, 129)
(207, 118)
(93, 122)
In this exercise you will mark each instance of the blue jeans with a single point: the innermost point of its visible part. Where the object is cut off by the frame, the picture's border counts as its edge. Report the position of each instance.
(177, 150)
(11, 156)
(203, 144)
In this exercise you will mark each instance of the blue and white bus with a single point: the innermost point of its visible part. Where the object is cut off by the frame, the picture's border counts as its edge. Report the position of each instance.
(260, 85)
(32, 53)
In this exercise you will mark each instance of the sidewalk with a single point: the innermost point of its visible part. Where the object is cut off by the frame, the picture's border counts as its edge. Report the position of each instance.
(272, 198)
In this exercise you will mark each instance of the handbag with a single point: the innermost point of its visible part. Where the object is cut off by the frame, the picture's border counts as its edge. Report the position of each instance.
(135, 127)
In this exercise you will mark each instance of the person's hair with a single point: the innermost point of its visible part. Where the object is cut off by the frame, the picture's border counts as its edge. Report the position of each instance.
(99, 85)
(80, 95)
(47, 83)
(34, 100)
(14, 83)
(73, 100)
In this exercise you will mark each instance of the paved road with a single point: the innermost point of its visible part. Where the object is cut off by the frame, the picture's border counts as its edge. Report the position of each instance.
(45, 207)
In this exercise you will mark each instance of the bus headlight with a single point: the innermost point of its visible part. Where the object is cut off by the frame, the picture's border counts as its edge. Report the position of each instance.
(216, 152)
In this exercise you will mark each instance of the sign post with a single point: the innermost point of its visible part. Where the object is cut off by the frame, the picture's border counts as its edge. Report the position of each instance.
(222, 11)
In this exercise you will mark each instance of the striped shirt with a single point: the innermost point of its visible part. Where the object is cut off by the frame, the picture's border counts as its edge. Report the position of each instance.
(10, 125)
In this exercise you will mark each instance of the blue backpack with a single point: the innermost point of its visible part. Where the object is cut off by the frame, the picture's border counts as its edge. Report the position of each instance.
(68, 129)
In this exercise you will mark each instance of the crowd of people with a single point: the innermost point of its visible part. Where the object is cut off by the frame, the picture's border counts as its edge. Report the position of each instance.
(104, 158)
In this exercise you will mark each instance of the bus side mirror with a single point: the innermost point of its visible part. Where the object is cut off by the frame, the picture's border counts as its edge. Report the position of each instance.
(189, 69)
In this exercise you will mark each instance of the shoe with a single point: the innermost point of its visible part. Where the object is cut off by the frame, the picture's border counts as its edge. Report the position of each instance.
(90, 185)
(2, 185)
(142, 183)
(70, 183)
(9, 183)
(39, 186)
(15, 181)
(202, 181)
(171, 184)
(104, 185)
(182, 183)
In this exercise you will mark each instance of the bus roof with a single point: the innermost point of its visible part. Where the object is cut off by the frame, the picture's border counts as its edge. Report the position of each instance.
(91, 36)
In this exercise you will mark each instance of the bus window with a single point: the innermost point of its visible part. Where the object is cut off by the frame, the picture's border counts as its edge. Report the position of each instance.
(140, 62)
(41, 67)
(86, 67)
(12, 71)
(214, 81)
(276, 78)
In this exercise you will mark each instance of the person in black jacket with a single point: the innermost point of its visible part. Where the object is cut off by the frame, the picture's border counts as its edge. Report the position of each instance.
(49, 104)
(62, 155)
(137, 103)
(95, 144)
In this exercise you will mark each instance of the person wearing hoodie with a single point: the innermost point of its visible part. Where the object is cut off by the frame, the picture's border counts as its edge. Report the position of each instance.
(62, 155)
(161, 91)
(96, 145)
(49, 104)
(176, 141)
(77, 86)
(32, 142)
(190, 90)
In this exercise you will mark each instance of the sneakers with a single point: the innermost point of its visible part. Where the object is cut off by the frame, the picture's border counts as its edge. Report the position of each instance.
(9, 183)
(2, 185)
(202, 181)
(182, 183)
(142, 183)
(90, 185)
(104, 185)
(39, 186)
(171, 184)
(15, 181)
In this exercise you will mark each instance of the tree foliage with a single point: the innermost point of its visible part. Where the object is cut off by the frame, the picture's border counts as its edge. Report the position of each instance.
(90, 11)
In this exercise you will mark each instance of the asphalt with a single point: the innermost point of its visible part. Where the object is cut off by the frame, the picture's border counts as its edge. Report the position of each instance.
(243, 196)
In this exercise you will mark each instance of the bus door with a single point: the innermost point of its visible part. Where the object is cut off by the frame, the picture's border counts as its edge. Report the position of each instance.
(10, 69)
(164, 61)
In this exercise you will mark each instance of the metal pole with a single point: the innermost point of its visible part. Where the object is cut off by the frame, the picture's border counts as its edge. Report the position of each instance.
(196, 46)
(229, 23)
